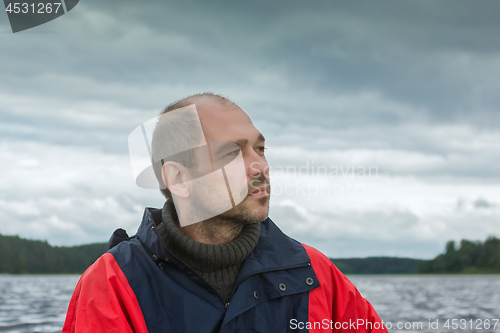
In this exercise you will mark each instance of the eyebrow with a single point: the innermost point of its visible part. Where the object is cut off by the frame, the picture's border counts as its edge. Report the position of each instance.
(240, 143)
(243, 142)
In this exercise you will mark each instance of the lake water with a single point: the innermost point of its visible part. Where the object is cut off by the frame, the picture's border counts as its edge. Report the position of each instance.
(409, 299)
(38, 303)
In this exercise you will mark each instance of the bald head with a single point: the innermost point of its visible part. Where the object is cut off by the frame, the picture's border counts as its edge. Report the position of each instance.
(217, 114)
(214, 112)
(221, 120)
(202, 99)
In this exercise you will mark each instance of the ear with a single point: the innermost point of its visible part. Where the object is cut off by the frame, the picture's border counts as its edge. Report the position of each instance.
(175, 177)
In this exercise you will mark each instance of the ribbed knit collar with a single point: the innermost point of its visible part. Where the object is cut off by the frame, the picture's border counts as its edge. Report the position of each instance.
(206, 257)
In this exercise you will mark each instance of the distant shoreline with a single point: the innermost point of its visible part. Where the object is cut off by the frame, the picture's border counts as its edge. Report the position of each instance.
(35, 257)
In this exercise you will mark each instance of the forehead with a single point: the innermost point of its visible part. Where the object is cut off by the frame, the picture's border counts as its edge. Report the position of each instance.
(225, 122)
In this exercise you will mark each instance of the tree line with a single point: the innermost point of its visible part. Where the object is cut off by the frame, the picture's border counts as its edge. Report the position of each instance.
(23, 256)
(470, 257)
(377, 265)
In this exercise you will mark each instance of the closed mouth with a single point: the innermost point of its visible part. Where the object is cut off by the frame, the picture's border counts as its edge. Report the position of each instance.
(261, 190)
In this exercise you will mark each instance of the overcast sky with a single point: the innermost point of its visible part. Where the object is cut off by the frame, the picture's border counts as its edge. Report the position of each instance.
(407, 90)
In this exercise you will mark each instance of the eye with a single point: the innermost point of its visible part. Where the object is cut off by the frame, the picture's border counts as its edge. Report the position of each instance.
(233, 153)
(261, 149)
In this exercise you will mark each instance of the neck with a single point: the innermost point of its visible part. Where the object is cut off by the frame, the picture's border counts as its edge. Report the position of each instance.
(214, 231)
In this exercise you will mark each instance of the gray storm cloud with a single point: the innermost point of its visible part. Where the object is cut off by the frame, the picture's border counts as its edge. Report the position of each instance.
(411, 87)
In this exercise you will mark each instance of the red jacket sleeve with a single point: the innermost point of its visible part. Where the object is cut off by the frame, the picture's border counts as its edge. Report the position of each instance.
(103, 301)
(337, 301)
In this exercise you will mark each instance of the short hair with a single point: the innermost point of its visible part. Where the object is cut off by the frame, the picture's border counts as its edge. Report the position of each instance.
(180, 128)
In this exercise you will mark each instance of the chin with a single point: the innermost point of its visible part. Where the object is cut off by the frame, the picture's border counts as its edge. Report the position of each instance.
(262, 217)
(259, 213)
(251, 212)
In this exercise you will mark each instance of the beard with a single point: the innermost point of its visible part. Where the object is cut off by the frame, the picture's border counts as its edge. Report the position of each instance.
(241, 214)
(244, 214)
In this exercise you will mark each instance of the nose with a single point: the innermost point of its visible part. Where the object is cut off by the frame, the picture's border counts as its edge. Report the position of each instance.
(256, 165)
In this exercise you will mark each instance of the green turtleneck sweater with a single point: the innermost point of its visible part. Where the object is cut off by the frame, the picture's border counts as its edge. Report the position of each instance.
(217, 264)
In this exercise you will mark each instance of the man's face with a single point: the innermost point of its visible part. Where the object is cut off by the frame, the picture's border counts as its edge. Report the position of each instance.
(228, 123)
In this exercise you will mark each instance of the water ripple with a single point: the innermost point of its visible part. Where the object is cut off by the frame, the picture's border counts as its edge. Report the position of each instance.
(38, 303)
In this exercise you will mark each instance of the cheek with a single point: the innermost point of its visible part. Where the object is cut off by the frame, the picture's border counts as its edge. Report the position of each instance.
(215, 180)
(237, 179)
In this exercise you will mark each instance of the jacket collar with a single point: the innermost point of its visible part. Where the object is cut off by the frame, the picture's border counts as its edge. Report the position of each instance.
(274, 250)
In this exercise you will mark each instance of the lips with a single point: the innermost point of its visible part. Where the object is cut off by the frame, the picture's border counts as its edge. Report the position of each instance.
(260, 191)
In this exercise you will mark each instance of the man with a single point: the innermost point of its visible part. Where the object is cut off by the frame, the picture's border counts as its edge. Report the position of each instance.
(211, 260)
